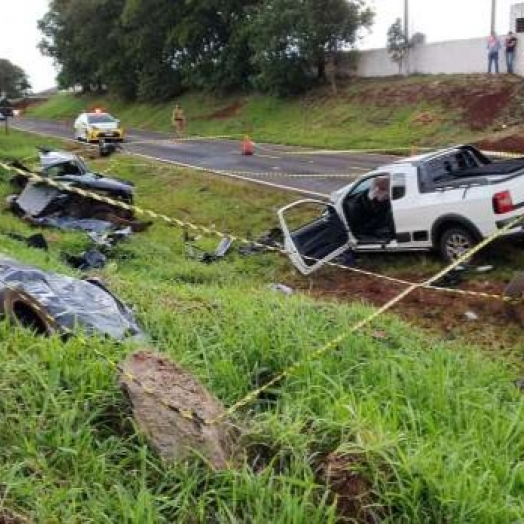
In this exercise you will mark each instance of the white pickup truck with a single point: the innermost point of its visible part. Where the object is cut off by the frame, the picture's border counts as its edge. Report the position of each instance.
(445, 201)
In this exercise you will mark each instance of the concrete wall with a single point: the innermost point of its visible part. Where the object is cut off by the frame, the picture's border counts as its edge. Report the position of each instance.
(456, 56)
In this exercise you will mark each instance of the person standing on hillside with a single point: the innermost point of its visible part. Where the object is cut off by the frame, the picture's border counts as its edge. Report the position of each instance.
(493, 52)
(179, 121)
(511, 44)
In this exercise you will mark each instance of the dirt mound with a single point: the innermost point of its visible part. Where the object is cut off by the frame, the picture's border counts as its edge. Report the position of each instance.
(351, 489)
(481, 100)
(8, 517)
(224, 113)
(509, 144)
(426, 118)
(161, 396)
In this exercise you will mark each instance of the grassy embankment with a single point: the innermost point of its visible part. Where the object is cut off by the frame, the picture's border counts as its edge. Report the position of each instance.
(434, 429)
(356, 118)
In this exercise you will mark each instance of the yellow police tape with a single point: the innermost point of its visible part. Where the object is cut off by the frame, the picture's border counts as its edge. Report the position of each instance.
(362, 323)
(190, 415)
(213, 232)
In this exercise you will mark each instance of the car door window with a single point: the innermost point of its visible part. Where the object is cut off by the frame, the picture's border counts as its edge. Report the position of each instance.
(449, 166)
(398, 186)
(360, 187)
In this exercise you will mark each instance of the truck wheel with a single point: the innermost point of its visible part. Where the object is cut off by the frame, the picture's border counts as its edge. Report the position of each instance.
(454, 242)
(24, 310)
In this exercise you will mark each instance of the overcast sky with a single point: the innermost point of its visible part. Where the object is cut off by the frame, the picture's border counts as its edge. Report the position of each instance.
(438, 19)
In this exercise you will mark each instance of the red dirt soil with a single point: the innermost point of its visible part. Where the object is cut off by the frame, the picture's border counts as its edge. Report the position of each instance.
(480, 100)
(224, 113)
(352, 491)
(499, 325)
(508, 144)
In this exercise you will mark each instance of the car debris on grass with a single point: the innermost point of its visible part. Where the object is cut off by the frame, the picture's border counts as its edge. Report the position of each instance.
(272, 238)
(207, 257)
(43, 205)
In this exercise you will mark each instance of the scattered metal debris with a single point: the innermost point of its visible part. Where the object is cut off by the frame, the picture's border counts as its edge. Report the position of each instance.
(281, 288)
(101, 249)
(484, 269)
(109, 240)
(90, 259)
(204, 256)
(106, 148)
(273, 238)
(36, 241)
(470, 315)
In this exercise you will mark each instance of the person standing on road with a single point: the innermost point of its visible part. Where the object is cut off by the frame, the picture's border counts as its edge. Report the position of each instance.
(511, 44)
(179, 121)
(493, 52)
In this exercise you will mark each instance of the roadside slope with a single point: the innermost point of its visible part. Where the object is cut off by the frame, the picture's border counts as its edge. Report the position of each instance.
(392, 424)
(392, 112)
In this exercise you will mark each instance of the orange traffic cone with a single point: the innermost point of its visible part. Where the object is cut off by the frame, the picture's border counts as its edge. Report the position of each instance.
(247, 146)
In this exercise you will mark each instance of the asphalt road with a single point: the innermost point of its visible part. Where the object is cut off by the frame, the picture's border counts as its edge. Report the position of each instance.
(270, 165)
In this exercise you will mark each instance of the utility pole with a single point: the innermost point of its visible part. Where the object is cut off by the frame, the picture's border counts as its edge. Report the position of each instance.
(406, 19)
(406, 33)
(493, 15)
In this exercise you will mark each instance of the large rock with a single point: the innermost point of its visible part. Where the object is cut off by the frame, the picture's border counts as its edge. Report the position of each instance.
(160, 393)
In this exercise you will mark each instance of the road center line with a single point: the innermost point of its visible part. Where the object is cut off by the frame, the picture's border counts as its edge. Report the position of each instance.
(196, 168)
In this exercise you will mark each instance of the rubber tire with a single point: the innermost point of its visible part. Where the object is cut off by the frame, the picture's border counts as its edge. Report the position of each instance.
(22, 309)
(459, 232)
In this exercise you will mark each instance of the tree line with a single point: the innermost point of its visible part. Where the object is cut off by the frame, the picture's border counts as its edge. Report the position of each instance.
(13, 80)
(156, 49)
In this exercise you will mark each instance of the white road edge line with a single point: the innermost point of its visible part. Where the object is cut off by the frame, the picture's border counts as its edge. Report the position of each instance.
(190, 166)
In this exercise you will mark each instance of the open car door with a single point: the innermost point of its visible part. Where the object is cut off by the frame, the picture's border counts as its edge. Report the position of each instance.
(322, 236)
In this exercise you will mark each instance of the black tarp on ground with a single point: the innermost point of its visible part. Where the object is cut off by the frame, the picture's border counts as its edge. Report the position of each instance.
(73, 303)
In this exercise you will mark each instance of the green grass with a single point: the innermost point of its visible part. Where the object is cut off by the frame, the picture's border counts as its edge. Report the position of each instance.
(319, 119)
(435, 427)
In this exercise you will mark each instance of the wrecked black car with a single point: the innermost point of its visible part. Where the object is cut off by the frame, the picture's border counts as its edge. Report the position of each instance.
(45, 205)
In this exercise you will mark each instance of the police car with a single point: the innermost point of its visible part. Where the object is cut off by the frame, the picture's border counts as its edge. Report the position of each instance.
(92, 126)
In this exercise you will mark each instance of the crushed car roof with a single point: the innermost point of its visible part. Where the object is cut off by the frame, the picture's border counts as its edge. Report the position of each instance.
(52, 158)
